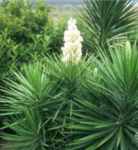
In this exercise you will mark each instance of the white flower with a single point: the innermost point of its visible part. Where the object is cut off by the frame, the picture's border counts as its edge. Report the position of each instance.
(72, 43)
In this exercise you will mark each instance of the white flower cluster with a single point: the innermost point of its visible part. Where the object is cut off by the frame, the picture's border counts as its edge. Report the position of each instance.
(72, 43)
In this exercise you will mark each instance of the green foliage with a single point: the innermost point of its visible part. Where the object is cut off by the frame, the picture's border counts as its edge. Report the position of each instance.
(26, 107)
(21, 24)
(107, 21)
(22, 19)
(133, 37)
(43, 95)
(56, 34)
(108, 119)
(7, 55)
(29, 133)
(26, 32)
(66, 79)
(90, 105)
(51, 105)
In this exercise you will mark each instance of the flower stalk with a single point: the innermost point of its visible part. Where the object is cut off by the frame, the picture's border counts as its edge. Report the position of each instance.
(72, 49)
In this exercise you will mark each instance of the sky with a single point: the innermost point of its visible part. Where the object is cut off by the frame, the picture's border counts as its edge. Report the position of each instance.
(69, 1)
(64, 1)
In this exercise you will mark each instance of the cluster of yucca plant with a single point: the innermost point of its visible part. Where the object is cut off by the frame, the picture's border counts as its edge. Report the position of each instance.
(90, 104)
(72, 103)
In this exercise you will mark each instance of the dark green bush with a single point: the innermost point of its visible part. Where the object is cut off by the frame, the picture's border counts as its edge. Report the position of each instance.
(56, 33)
(22, 25)
(27, 32)
(22, 19)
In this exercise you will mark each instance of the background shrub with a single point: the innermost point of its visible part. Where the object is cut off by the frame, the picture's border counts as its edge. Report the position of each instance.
(27, 32)
(23, 19)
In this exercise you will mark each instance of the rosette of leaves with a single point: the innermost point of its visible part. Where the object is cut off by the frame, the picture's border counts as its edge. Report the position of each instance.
(66, 79)
(107, 21)
(107, 119)
(26, 105)
(38, 103)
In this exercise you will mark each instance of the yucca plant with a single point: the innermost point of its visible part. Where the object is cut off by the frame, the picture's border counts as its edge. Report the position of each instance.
(68, 72)
(38, 103)
(66, 80)
(29, 114)
(108, 118)
(107, 21)
(27, 132)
